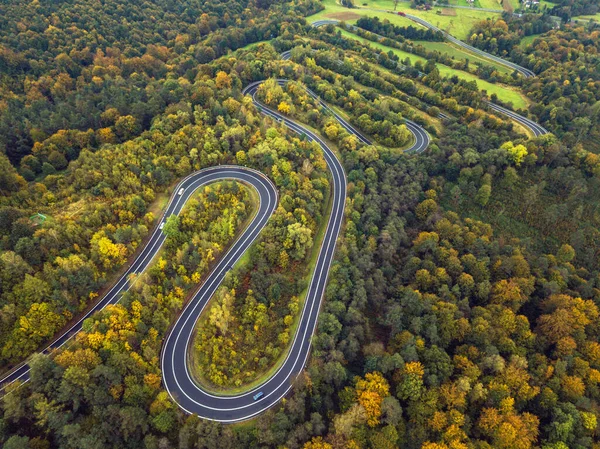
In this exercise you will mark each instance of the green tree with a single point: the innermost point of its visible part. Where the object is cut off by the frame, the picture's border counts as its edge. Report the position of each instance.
(483, 195)
(299, 240)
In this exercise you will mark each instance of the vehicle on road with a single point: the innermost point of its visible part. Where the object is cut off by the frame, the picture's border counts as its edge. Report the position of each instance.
(180, 191)
(258, 395)
(162, 225)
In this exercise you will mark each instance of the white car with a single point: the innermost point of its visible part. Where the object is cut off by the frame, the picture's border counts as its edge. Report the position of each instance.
(162, 225)
(180, 191)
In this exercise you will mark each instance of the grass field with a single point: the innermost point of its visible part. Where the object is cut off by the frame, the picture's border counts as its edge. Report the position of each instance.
(528, 40)
(489, 4)
(458, 25)
(335, 11)
(594, 18)
(504, 92)
(459, 53)
(331, 7)
(546, 4)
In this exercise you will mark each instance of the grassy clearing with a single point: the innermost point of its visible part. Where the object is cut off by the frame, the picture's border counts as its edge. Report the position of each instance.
(459, 53)
(331, 6)
(476, 3)
(193, 363)
(506, 93)
(544, 4)
(402, 21)
(159, 204)
(458, 26)
(528, 40)
(252, 45)
(401, 54)
(594, 18)
(489, 4)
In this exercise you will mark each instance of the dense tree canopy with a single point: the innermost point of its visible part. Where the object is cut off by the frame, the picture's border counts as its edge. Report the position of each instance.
(566, 90)
(75, 76)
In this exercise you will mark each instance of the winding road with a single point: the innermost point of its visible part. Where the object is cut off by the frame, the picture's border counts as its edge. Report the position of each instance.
(535, 128)
(176, 376)
(187, 187)
(421, 137)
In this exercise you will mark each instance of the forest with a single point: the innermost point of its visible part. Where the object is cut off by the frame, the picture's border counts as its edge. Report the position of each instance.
(462, 306)
(566, 89)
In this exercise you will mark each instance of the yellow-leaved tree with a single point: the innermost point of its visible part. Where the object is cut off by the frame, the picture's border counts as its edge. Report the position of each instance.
(370, 392)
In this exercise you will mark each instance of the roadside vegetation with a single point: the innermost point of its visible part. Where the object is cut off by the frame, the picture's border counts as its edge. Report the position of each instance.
(462, 54)
(457, 22)
(566, 98)
(508, 94)
(352, 16)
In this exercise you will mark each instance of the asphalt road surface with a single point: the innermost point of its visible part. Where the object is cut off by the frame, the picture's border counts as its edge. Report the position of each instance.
(421, 137)
(320, 23)
(535, 128)
(176, 376)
